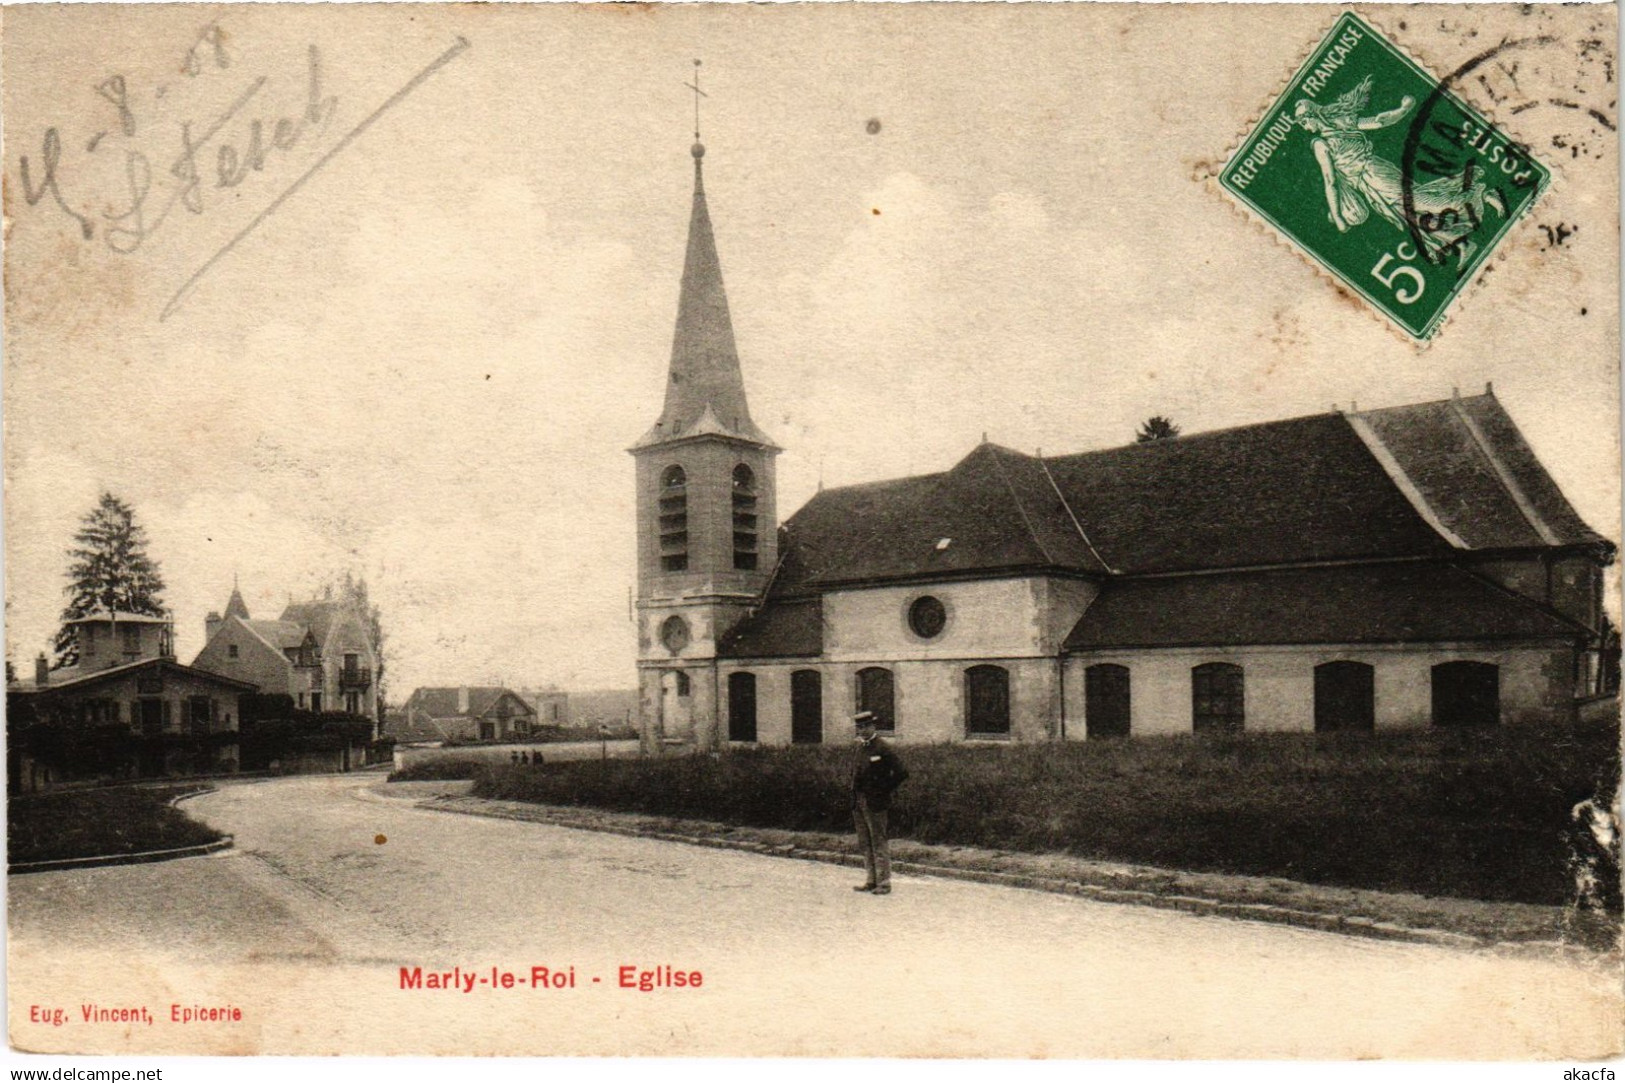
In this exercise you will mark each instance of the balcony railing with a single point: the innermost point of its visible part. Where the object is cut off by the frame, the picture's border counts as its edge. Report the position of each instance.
(355, 677)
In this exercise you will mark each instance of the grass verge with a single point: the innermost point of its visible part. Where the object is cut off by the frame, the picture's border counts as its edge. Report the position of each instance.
(93, 823)
(1480, 815)
(438, 770)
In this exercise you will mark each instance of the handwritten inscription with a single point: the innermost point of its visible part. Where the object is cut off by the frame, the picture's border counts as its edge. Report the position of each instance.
(182, 161)
(149, 197)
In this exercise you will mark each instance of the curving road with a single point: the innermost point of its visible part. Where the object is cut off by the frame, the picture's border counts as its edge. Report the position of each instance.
(304, 928)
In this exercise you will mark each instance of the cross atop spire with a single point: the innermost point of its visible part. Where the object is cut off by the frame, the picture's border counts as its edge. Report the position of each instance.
(698, 94)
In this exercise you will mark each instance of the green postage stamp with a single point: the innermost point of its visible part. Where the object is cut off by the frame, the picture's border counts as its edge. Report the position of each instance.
(1374, 169)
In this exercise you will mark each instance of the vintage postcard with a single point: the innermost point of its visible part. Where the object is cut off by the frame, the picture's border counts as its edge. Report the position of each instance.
(864, 530)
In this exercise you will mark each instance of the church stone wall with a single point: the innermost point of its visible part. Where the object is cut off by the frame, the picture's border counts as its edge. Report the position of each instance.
(987, 619)
(928, 698)
(1536, 681)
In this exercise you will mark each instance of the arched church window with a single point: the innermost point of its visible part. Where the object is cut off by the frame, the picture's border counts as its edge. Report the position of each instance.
(987, 701)
(876, 693)
(1466, 693)
(741, 706)
(673, 519)
(745, 521)
(1218, 698)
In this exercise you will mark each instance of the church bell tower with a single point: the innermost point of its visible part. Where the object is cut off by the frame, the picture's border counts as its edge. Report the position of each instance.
(707, 519)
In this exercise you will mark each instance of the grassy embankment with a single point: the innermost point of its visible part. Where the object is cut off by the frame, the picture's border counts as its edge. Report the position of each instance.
(91, 823)
(1469, 814)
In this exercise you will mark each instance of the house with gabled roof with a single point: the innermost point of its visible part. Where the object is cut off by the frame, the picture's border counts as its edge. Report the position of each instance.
(318, 652)
(1408, 566)
(467, 713)
(125, 709)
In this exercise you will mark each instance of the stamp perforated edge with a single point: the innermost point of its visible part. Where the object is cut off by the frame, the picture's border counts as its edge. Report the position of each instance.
(1209, 173)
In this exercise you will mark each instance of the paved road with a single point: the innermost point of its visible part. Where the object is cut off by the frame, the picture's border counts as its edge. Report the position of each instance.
(306, 925)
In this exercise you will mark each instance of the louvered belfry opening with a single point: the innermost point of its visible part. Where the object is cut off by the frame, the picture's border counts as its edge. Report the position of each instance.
(673, 520)
(744, 518)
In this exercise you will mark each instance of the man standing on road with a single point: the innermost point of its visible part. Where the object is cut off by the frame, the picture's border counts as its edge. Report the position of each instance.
(876, 773)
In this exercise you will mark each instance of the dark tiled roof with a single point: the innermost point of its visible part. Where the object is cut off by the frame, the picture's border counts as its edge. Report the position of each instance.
(403, 730)
(789, 629)
(1531, 477)
(281, 634)
(1285, 492)
(1372, 603)
(317, 616)
(1312, 490)
(1306, 490)
(1438, 454)
(78, 678)
(443, 702)
(995, 510)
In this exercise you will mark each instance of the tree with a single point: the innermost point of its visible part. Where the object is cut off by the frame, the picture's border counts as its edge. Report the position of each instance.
(109, 569)
(355, 592)
(1156, 428)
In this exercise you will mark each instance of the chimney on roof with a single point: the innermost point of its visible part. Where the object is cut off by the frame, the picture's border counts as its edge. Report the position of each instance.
(462, 699)
(211, 625)
(1489, 387)
(42, 670)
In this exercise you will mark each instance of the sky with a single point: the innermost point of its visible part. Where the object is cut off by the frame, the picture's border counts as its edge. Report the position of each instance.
(448, 309)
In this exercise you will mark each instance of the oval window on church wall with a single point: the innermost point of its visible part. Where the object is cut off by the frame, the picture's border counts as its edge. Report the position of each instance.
(927, 617)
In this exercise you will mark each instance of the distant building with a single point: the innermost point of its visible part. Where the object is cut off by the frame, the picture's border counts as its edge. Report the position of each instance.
(467, 713)
(318, 652)
(551, 705)
(126, 710)
(1358, 570)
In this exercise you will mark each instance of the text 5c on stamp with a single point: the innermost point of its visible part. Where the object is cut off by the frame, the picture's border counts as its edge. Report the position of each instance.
(1372, 168)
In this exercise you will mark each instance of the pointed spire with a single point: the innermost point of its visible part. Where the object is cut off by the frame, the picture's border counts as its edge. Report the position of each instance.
(236, 607)
(704, 376)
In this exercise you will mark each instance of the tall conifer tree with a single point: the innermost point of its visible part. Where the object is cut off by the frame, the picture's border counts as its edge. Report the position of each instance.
(108, 569)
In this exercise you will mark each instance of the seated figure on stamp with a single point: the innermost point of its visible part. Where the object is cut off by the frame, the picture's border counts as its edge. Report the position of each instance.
(1446, 209)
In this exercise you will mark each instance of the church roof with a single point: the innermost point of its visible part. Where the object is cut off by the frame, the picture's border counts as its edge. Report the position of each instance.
(1468, 468)
(705, 391)
(994, 510)
(1413, 481)
(236, 607)
(1365, 603)
(792, 629)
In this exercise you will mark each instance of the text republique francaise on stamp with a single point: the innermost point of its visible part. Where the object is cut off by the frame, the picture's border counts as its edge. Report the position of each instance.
(1376, 171)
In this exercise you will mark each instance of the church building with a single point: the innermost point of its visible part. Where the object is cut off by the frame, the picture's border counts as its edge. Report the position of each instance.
(1409, 566)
